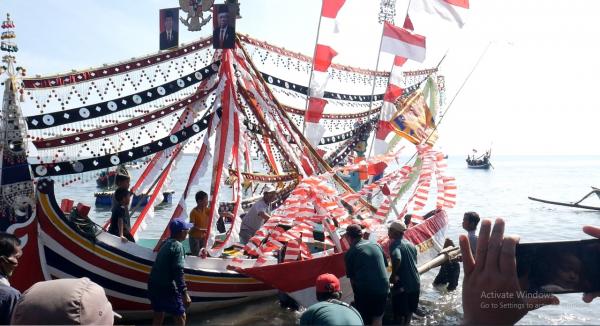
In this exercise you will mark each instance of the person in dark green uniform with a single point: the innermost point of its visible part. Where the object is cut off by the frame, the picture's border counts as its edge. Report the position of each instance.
(330, 310)
(405, 276)
(166, 287)
(366, 266)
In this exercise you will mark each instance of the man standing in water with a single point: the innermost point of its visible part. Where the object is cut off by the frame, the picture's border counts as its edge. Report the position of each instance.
(470, 221)
(405, 276)
(330, 310)
(366, 267)
(166, 287)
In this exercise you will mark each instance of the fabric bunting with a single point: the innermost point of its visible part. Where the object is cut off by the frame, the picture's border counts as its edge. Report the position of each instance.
(323, 57)
(394, 90)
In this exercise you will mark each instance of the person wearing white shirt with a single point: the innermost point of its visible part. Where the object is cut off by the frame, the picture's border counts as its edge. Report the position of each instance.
(470, 221)
(258, 214)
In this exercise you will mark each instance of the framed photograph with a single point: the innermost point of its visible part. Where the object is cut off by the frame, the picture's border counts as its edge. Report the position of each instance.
(169, 28)
(224, 26)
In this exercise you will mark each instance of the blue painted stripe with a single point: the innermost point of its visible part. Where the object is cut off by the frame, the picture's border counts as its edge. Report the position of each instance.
(62, 264)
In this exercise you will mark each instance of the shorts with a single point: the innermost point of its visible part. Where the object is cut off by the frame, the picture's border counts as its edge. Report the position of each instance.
(370, 305)
(405, 303)
(195, 245)
(168, 300)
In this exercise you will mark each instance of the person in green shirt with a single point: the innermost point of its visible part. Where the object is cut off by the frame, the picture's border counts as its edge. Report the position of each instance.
(166, 287)
(366, 266)
(405, 276)
(330, 310)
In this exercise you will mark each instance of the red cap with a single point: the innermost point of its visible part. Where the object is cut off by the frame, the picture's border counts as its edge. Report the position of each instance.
(327, 283)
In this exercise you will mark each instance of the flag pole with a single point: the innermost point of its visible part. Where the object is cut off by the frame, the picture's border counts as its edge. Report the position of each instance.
(312, 68)
(373, 89)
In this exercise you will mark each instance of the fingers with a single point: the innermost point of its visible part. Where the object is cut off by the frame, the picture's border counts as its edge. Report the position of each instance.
(494, 246)
(508, 261)
(594, 231)
(482, 244)
(467, 256)
(538, 302)
(588, 297)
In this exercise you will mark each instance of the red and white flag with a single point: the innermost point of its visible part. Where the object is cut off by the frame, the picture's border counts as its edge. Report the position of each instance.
(403, 43)
(453, 11)
(324, 54)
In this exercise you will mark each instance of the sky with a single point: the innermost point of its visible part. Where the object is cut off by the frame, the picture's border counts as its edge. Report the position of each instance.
(532, 93)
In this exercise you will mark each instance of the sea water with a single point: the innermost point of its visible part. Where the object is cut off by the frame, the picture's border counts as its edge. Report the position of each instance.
(498, 192)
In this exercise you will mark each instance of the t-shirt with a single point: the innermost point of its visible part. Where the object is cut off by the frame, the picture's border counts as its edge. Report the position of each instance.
(473, 242)
(8, 300)
(252, 221)
(404, 262)
(167, 271)
(332, 312)
(120, 212)
(200, 219)
(366, 267)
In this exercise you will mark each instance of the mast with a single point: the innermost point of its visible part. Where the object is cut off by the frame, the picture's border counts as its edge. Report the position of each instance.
(16, 184)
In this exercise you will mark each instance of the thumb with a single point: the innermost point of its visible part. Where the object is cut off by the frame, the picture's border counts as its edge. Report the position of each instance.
(543, 299)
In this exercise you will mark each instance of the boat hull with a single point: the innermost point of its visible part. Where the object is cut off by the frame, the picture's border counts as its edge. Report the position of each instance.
(481, 167)
(105, 199)
(55, 249)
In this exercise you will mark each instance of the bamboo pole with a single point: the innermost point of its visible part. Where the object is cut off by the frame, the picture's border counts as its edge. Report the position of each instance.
(304, 141)
(444, 256)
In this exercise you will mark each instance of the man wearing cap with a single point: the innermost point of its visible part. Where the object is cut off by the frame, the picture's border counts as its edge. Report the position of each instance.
(166, 287)
(366, 266)
(68, 301)
(405, 276)
(258, 214)
(223, 34)
(330, 310)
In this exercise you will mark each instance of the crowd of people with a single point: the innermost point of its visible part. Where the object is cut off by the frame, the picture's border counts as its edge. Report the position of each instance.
(488, 260)
(489, 266)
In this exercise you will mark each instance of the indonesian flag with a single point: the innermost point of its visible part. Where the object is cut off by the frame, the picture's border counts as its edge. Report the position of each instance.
(324, 55)
(401, 42)
(331, 8)
(453, 11)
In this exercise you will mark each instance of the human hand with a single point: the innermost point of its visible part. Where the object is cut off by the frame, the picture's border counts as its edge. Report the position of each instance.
(491, 291)
(186, 299)
(594, 231)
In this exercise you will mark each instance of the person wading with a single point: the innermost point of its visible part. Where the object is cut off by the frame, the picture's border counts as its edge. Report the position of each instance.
(405, 276)
(366, 267)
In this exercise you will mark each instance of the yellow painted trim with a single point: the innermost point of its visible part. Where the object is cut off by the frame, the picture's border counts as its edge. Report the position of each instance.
(59, 223)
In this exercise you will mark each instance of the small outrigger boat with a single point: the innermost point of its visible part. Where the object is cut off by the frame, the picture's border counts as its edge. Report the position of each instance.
(575, 204)
(481, 162)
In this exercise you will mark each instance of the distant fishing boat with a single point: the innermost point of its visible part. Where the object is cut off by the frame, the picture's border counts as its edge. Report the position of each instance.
(479, 162)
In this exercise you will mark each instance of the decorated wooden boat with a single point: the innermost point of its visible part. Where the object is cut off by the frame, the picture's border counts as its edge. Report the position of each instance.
(229, 110)
(54, 247)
